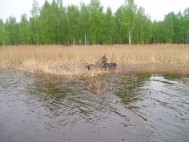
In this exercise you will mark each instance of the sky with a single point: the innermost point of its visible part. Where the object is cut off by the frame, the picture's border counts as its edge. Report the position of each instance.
(156, 9)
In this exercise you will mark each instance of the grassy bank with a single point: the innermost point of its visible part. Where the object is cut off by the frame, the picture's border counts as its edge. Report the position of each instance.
(71, 60)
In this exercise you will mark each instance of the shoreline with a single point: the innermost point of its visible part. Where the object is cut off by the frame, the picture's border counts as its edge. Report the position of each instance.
(124, 68)
(71, 61)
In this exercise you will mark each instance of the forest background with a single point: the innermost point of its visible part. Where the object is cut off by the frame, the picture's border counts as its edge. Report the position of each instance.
(91, 24)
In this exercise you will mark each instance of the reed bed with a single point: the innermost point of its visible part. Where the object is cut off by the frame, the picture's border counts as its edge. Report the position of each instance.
(71, 60)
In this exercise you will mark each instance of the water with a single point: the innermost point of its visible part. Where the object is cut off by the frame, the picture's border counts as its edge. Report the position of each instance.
(111, 108)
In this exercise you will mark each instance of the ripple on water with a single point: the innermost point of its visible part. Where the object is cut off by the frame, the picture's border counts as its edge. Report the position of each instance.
(132, 108)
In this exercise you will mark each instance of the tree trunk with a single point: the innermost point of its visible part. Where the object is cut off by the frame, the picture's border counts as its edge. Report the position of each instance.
(74, 40)
(85, 39)
(37, 37)
(130, 38)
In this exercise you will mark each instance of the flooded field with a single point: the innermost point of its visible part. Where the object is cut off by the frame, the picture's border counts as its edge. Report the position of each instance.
(110, 108)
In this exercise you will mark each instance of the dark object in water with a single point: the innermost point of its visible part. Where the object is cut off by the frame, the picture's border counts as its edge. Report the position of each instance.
(102, 61)
(109, 66)
(105, 66)
(102, 64)
(90, 66)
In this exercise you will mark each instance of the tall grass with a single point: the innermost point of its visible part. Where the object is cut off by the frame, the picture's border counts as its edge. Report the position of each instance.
(71, 60)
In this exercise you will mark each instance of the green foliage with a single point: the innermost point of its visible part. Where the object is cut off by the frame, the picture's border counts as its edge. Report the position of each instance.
(96, 22)
(73, 24)
(2, 33)
(91, 24)
(34, 35)
(173, 29)
(25, 31)
(12, 27)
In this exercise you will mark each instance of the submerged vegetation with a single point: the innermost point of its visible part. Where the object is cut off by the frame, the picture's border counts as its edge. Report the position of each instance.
(72, 60)
(89, 24)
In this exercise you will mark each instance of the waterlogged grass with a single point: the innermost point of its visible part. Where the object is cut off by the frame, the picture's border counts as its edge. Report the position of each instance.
(71, 60)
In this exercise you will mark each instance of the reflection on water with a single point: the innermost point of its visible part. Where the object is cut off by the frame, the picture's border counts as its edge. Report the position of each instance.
(162, 101)
(127, 88)
(122, 107)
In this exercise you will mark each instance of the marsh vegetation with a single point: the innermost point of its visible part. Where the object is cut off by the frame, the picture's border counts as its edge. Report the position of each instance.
(71, 60)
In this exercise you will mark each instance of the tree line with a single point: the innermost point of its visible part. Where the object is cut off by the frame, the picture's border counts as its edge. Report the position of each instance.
(54, 23)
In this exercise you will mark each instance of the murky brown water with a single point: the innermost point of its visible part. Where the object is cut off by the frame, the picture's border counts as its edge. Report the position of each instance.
(114, 108)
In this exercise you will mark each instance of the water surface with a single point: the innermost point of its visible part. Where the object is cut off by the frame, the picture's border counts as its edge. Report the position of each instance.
(111, 108)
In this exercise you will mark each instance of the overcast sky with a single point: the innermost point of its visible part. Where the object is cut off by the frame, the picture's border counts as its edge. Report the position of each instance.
(155, 8)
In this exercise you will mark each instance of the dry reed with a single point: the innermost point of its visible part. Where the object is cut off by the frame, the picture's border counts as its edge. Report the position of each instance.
(71, 60)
